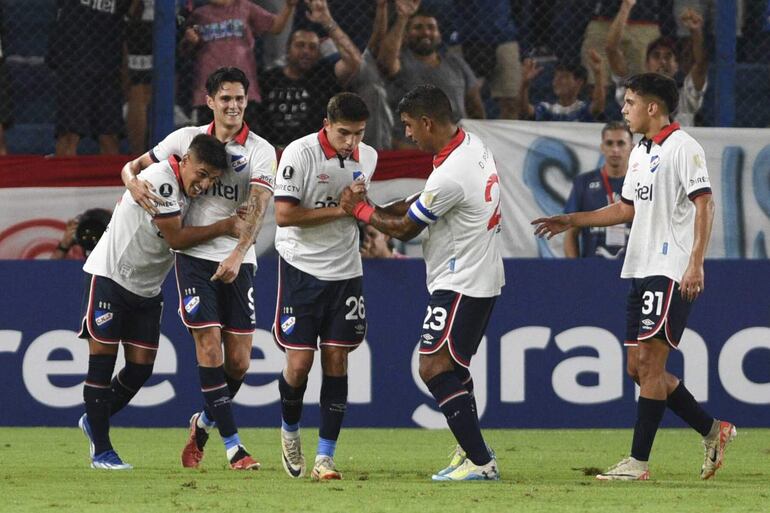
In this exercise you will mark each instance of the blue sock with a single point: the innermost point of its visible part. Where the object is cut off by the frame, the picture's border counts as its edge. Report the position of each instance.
(326, 447)
(289, 427)
(232, 441)
(210, 423)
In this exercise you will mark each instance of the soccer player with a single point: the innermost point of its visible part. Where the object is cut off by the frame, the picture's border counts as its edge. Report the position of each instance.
(460, 206)
(597, 188)
(124, 274)
(320, 274)
(215, 278)
(667, 194)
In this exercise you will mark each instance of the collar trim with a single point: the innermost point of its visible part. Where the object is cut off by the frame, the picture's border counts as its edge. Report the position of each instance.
(240, 137)
(328, 149)
(447, 150)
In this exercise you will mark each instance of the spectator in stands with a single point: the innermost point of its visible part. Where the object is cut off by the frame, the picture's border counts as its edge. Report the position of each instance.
(375, 244)
(568, 82)
(648, 21)
(222, 33)
(6, 111)
(294, 97)
(86, 54)
(423, 61)
(370, 85)
(597, 189)
(139, 46)
(662, 58)
(487, 35)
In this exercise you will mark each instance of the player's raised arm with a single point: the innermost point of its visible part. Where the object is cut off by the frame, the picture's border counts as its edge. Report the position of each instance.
(141, 191)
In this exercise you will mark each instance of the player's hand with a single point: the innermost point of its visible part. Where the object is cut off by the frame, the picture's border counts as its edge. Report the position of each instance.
(235, 226)
(692, 283)
(191, 35)
(595, 61)
(318, 12)
(692, 20)
(143, 193)
(68, 238)
(228, 269)
(350, 198)
(549, 226)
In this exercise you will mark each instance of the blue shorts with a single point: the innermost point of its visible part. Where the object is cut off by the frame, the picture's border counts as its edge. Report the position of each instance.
(308, 309)
(111, 314)
(205, 304)
(455, 320)
(655, 308)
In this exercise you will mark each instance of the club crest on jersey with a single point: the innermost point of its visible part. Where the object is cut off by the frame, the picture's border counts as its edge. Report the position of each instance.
(287, 323)
(654, 163)
(358, 175)
(165, 190)
(238, 162)
(191, 304)
(102, 318)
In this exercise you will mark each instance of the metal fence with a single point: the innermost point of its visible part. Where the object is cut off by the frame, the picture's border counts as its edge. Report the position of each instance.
(79, 75)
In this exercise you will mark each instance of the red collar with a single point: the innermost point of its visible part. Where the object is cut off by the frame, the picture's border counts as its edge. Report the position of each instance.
(173, 161)
(328, 149)
(665, 132)
(240, 137)
(454, 142)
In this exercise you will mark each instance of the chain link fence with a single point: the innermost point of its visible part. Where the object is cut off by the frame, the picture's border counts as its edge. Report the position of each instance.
(76, 75)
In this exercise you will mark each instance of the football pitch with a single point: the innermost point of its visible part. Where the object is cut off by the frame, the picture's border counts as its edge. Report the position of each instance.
(388, 470)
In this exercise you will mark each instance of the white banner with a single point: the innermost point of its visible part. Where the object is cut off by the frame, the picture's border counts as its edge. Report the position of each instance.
(537, 162)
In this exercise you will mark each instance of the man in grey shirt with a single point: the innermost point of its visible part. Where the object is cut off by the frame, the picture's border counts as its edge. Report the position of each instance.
(422, 61)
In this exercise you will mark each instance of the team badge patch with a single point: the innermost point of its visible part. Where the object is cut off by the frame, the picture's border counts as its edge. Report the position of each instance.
(287, 323)
(238, 163)
(287, 172)
(102, 318)
(191, 304)
(654, 163)
(358, 175)
(427, 199)
(165, 190)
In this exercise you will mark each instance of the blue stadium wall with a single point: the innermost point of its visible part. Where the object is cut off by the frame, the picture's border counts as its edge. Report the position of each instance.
(552, 357)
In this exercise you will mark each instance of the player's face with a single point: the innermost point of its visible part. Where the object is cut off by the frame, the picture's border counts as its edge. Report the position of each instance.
(344, 136)
(616, 147)
(304, 50)
(197, 176)
(662, 60)
(423, 37)
(416, 130)
(636, 111)
(228, 105)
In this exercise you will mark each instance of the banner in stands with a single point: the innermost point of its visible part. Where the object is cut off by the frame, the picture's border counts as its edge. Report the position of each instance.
(552, 356)
(537, 162)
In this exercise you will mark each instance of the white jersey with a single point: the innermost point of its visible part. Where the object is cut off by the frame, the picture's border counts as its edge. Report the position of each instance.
(690, 99)
(312, 175)
(461, 207)
(131, 251)
(664, 175)
(252, 163)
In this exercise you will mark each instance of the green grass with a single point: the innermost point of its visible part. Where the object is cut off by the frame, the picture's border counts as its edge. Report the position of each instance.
(46, 469)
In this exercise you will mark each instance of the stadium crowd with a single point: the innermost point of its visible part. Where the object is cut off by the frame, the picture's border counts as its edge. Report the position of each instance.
(507, 59)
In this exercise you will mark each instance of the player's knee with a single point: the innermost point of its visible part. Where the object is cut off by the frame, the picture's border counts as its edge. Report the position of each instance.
(297, 369)
(236, 368)
(633, 371)
(431, 367)
(334, 361)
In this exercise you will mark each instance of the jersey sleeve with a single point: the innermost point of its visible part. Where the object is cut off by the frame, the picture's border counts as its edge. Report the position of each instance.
(441, 193)
(172, 144)
(290, 177)
(627, 191)
(263, 166)
(168, 190)
(691, 166)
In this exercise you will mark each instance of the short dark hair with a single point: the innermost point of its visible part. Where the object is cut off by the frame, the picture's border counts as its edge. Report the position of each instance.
(346, 107)
(659, 86)
(210, 150)
(423, 12)
(226, 74)
(617, 125)
(578, 70)
(661, 42)
(426, 100)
